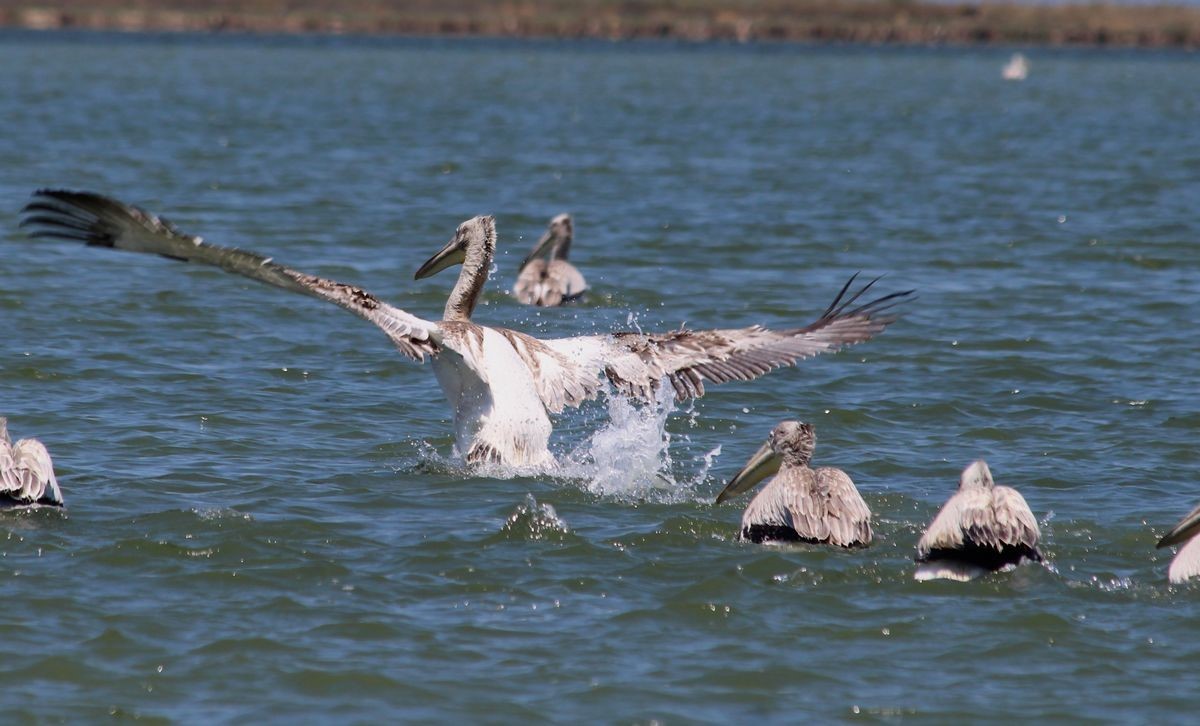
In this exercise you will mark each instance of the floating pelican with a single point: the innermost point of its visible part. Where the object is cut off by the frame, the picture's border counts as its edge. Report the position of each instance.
(501, 383)
(800, 503)
(551, 282)
(26, 472)
(981, 529)
(1187, 561)
(1016, 69)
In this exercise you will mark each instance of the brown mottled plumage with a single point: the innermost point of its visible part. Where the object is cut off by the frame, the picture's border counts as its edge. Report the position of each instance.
(553, 281)
(982, 528)
(800, 503)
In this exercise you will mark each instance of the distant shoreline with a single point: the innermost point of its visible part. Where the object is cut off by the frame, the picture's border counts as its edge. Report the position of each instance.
(890, 22)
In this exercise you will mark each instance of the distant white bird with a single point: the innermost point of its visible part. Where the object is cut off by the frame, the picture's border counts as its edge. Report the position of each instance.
(1186, 564)
(981, 529)
(1016, 69)
(26, 472)
(553, 281)
(501, 383)
(803, 504)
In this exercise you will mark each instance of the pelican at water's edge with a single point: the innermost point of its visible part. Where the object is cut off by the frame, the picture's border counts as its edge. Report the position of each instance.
(26, 472)
(1186, 564)
(501, 383)
(554, 281)
(981, 529)
(800, 504)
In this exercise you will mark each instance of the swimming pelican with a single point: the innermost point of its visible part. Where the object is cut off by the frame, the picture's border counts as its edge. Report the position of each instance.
(981, 529)
(26, 472)
(1016, 69)
(501, 383)
(800, 504)
(1187, 561)
(547, 283)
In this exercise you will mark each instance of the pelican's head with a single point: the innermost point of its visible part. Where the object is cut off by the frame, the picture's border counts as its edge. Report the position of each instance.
(4, 430)
(790, 442)
(556, 239)
(976, 476)
(473, 244)
(1187, 528)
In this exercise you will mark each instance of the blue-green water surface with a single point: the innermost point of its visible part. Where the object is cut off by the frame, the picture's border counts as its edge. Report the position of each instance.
(265, 520)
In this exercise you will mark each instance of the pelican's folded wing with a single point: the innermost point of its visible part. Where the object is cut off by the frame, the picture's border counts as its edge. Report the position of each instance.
(636, 363)
(1186, 564)
(1011, 524)
(104, 222)
(847, 518)
(947, 531)
(27, 474)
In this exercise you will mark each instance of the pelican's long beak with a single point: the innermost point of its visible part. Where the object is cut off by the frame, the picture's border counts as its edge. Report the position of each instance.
(539, 249)
(1183, 531)
(763, 464)
(452, 254)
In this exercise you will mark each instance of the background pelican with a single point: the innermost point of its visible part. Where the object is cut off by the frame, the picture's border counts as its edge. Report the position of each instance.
(553, 281)
(26, 472)
(1186, 564)
(800, 504)
(501, 383)
(982, 528)
(1016, 69)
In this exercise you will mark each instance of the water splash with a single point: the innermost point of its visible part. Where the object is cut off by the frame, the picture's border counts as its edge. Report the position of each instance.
(533, 521)
(629, 457)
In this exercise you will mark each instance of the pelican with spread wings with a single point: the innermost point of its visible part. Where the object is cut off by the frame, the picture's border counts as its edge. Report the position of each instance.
(26, 472)
(501, 383)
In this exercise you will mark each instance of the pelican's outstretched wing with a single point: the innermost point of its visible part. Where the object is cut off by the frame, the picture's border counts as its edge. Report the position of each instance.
(26, 472)
(635, 362)
(100, 221)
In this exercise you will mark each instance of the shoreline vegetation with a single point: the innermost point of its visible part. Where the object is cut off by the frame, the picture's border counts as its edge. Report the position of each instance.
(902, 22)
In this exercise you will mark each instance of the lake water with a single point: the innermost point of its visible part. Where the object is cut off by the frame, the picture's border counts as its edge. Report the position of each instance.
(265, 520)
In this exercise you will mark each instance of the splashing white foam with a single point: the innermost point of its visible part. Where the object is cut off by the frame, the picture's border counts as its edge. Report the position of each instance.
(628, 457)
